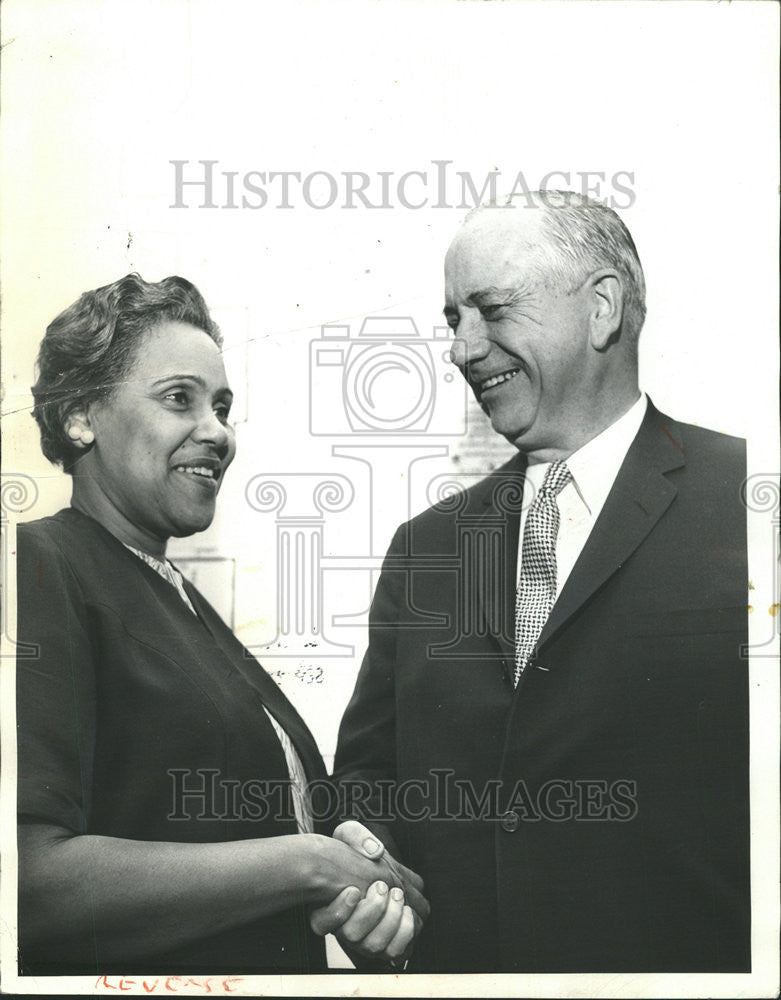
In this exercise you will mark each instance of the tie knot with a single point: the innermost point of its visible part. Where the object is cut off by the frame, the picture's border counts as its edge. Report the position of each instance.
(556, 478)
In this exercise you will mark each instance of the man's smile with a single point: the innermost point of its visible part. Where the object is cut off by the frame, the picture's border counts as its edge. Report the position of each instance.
(494, 380)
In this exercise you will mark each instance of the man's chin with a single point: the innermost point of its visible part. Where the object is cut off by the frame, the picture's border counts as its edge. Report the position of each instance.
(515, 434)
(512, 414)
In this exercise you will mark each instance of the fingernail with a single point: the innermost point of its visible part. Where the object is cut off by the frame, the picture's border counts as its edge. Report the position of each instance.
(370, 846)
(352, 897)
(397, 894)
(380, 888)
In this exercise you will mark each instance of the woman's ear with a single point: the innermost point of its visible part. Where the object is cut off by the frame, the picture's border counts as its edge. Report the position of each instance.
(78, 429)
(607, 308)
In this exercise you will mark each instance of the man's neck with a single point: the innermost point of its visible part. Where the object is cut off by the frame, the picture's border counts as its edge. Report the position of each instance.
(583, 432)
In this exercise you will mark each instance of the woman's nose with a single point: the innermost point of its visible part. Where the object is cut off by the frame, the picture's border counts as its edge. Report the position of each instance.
(211, 430)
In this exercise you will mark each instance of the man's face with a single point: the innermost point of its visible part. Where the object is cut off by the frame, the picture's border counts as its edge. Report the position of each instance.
(523, 347)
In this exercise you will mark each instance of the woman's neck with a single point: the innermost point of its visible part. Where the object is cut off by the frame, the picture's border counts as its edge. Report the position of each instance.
(98, 506)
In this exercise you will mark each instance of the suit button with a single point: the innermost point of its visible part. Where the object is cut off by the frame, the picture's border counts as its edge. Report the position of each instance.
(510, 822)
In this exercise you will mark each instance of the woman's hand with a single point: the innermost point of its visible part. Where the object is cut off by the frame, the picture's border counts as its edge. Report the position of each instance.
(354, 857)
(378, 927)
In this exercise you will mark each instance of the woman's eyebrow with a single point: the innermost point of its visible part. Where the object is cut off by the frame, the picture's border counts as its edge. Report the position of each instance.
(180, 378)
(222, 391)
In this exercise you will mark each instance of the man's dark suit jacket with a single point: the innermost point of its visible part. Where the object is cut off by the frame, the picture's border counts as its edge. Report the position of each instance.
(618, 839)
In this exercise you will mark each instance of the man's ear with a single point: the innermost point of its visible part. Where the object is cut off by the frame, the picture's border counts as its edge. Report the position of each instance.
(607, 307)
(79, 429)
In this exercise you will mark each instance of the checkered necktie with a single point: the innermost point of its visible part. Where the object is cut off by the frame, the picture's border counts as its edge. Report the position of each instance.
(537, 587)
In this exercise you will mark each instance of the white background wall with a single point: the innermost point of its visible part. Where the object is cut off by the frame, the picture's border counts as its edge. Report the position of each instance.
(98, 97)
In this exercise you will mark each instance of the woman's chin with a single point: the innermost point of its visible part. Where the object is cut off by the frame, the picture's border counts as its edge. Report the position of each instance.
(185, 527)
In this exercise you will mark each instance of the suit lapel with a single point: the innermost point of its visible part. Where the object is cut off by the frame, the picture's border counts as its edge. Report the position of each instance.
(233, 650)
(639, 497)
(254, 674)
(496, 575)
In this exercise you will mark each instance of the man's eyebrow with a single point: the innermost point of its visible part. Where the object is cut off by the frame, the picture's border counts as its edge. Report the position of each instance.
(223, 391)
(476, 298)
(507, 295)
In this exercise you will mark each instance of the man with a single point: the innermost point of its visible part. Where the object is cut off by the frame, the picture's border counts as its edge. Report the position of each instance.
(551, 720)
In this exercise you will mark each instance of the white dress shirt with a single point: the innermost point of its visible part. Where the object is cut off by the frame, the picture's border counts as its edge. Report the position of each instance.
(594, 468)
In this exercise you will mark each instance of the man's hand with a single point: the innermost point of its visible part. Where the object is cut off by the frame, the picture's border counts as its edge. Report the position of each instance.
(381, 926)
(355, 835)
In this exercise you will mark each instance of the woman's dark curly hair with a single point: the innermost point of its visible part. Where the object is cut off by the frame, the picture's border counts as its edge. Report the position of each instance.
(91, 347)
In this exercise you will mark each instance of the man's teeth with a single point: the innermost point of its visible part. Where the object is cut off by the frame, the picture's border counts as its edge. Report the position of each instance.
(498, 379)
(197, 470)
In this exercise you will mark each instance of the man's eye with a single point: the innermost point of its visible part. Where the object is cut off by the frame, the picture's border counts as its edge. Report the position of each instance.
(222, 412)
(492, 311)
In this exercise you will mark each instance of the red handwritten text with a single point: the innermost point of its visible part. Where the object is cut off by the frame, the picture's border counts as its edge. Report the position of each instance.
(170, 984)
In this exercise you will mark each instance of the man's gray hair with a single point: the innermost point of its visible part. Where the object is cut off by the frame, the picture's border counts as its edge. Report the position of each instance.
(583, 236)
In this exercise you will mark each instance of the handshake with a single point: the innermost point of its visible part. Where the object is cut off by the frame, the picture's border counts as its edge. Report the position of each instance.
(378, 914)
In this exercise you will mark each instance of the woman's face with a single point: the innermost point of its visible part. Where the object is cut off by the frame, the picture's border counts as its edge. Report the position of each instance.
(162, 439)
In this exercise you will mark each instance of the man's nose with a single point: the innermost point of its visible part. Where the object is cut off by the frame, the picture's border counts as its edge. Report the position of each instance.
(471, 343)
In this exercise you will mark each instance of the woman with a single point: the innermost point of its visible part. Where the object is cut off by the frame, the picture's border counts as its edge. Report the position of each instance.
(142, 713)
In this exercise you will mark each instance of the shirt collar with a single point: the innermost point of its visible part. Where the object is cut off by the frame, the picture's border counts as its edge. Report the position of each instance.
(595, 465)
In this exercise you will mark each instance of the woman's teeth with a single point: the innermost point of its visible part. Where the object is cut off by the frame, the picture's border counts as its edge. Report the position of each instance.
(196, 470)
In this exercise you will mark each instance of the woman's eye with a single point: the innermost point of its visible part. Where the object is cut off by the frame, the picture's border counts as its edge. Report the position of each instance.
(178, 396)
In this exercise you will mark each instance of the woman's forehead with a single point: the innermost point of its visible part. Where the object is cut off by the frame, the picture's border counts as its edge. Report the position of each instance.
(174, 348)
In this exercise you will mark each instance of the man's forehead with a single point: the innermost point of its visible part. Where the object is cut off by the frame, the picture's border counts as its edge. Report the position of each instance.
(492, 248)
